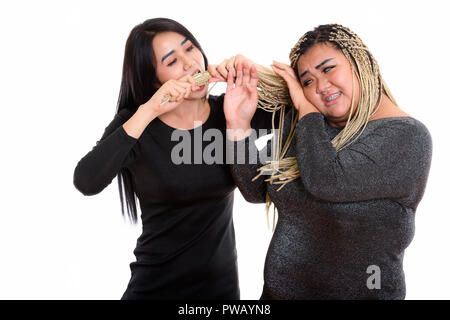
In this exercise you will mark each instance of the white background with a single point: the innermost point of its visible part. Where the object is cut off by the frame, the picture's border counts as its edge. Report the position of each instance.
(60, 71)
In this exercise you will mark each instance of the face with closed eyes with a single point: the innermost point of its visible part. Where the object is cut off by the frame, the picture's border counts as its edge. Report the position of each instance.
(326, 78)
(175, 57)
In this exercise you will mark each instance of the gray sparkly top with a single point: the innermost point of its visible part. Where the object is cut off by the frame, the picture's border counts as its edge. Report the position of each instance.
(344, 225)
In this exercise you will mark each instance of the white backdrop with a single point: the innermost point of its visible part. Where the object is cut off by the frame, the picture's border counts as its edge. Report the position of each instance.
(60, 69)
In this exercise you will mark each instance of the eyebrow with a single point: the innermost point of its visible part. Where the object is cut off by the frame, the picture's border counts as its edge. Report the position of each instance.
(167, 55)
(172, 51)
(318, 66)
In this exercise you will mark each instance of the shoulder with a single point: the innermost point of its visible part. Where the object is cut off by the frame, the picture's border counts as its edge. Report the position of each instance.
(402, 133)
(408, 125)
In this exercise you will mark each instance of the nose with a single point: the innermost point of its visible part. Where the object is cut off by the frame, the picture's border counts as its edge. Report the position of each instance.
(187, 63)
(323, 86)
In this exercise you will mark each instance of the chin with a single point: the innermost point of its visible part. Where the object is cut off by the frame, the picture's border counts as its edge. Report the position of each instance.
(339, 112)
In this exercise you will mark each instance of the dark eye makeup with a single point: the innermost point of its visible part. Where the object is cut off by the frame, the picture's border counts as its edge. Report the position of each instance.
(324, 70)
(175, 60)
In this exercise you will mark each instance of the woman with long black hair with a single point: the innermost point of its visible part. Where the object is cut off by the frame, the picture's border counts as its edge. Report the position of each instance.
(187, 247)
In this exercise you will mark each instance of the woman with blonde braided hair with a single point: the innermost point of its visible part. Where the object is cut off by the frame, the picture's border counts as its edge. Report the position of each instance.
(352, 167)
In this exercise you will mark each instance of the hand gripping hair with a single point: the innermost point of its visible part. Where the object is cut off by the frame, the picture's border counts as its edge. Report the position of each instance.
(200, 79)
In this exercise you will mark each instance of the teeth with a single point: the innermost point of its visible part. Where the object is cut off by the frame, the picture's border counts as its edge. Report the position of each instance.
(333, 97)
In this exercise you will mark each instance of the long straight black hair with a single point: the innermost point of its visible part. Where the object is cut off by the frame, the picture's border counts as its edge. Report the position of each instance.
(139, 84)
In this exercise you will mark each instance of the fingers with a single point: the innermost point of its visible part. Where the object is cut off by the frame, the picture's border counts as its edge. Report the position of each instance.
(281, 65)
(253, 76)
(180, 94)
(215, 75)
(188, 91)
(246, 76)
(277, 70)
(282, 73)
(222, 70)
(240, 58)
(174, 94)
(186, 88)
(283, 68)
(230, 83)
(239, 74)
(188, 81)
(288, 74)
(245, 73)
(230, 66)
(187, 78)
(179, 89)
(251, 86)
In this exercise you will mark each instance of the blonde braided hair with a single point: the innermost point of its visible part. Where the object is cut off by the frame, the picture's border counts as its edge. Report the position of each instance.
(364, 68)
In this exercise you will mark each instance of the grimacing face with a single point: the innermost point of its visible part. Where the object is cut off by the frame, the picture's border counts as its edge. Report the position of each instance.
(175, 57)
(326, 78)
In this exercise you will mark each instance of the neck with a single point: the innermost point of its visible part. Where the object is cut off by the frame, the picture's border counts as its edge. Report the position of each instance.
(387, 109)
(186, 114)
(190, 110)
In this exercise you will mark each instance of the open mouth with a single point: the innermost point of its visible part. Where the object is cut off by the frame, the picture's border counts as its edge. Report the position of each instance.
(331, 98)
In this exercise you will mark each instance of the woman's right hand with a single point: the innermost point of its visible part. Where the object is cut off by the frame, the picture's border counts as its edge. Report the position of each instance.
(178, 90)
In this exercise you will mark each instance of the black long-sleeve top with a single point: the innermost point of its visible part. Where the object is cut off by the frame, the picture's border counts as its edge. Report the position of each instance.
(187, 247)
(344, 224)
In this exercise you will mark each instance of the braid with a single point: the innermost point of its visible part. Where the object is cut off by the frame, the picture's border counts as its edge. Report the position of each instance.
(365, 70)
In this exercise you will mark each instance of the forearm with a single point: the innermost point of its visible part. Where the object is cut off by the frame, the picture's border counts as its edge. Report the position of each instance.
(381, 163)
(98, 167)
(136, 125)
(244, 169)
(305, 108)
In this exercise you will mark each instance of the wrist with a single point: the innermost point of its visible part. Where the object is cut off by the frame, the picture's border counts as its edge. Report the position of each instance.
(305, 109)
(238, 125)
(148, 110)
(238, 131)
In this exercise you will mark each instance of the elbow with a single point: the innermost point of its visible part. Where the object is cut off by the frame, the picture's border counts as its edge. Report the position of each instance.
(320, 189)
(253, 195)
(85, 185)
(254, 199)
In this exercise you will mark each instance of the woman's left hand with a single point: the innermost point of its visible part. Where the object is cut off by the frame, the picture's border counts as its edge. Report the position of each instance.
(219, 72)
(241, 97)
